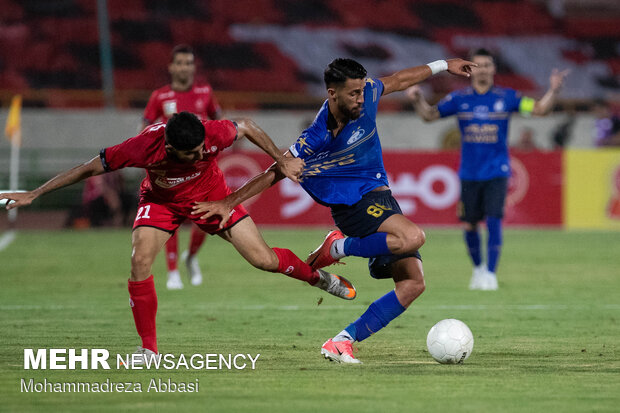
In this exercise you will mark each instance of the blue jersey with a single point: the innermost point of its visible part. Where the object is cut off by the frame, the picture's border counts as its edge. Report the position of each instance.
(340, 169)
(483, 121)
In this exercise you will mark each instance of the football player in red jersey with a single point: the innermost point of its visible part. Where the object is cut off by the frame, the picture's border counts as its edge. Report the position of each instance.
(182, 94)
(180, 162)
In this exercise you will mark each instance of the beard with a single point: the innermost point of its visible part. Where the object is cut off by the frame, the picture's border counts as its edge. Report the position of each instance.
(351, 113)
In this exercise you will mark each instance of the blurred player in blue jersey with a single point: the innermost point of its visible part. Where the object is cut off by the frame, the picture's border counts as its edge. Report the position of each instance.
(344, 171)
(483, 111)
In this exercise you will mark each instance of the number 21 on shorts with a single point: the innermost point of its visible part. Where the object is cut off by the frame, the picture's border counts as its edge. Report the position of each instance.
(143, 212)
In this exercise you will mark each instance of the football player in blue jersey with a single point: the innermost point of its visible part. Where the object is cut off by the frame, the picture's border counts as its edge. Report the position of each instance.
(483, 111)
(344, 171)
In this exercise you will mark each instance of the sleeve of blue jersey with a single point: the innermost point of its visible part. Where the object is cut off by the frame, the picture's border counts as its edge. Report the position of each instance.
(514, 100)
(306, 145)
(372, 93)
(448, 105)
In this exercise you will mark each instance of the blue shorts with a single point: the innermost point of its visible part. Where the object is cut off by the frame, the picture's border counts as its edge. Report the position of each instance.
(480, 199)
(364, 218)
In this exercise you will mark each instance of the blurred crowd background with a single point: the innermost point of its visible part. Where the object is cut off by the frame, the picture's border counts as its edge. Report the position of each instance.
(86, 68)
(269, 54)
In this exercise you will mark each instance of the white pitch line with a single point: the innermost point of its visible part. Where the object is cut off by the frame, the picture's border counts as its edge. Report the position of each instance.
(473, 307)
(215, 306)
(21, 307)
(6, 239)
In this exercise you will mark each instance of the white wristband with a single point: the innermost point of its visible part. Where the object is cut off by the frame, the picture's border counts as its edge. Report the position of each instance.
(438, 66)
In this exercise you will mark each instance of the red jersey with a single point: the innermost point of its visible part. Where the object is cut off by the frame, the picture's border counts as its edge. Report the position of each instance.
(165, 102)
(168, 180)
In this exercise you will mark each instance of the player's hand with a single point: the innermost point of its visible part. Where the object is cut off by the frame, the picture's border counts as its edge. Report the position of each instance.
(556, 80)
(17, 199)
(460, 67)
(414, 93)
(209, 209)
(291, 167)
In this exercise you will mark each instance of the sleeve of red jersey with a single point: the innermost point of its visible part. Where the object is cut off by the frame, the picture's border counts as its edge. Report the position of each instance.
(153, 110)
(136, 152)
(220, 133)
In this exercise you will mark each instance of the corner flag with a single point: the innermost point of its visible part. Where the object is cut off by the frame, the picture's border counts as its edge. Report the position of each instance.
(13, 131)
(13, 121)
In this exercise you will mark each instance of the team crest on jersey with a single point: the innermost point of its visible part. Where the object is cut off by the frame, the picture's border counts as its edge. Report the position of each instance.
(357, 135)
(499, 106)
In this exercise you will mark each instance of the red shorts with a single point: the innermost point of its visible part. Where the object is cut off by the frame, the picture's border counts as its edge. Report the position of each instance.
(168, 216)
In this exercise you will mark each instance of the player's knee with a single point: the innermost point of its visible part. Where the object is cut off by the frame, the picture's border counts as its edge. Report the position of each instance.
(468, 226)
(409, 241)
(416, 239)
(140, 267)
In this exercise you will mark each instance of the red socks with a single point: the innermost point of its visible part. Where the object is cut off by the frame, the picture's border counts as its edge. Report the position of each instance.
(172, 248)
(291, 265)
(196, 239)
(143, 302)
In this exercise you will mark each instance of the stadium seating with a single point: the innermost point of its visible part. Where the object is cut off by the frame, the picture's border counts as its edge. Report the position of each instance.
(58, 41)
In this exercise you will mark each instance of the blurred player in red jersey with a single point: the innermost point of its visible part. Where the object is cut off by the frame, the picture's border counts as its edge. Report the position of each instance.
(180, 162)
(182, 94)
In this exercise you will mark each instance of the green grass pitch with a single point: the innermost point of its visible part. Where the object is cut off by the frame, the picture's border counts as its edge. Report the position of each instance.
(547, 340)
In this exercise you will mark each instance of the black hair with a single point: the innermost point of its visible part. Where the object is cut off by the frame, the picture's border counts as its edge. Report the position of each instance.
(339, 70)
(184, 131)
(480, 52)
(181, 48)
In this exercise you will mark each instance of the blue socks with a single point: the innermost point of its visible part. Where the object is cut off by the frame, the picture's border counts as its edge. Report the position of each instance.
(378, 315)
(373, 245)
(494, 245)
(472, 239)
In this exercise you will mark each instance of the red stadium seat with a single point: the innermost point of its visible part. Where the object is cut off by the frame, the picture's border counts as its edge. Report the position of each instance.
(245, 11)
(589, 27)
(127, 10)
(136, 79)
(155, 56)
(377, 14)
(74, 30)
(514, 18)
(194, 32)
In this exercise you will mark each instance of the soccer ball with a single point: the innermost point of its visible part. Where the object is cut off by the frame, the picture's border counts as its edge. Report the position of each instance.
(450, 341)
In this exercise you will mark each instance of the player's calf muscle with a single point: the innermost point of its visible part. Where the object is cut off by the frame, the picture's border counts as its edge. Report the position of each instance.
(267, 261)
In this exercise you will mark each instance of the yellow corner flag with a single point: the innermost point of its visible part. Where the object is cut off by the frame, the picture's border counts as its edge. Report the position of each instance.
(13, 121)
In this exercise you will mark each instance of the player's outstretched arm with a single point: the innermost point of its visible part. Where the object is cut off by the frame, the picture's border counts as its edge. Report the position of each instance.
(545, 104)
(254, 186)
(291, 167)
(408, 77)
(69, 177)
(421, 106)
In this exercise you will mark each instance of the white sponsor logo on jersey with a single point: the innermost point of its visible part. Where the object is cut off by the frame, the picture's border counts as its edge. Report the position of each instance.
(170, 108)
(164, 182)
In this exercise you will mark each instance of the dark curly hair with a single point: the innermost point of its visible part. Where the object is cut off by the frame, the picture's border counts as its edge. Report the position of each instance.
(341, 69)
(184, 131)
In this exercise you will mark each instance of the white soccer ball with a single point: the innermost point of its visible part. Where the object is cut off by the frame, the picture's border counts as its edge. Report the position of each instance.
(450, 341)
